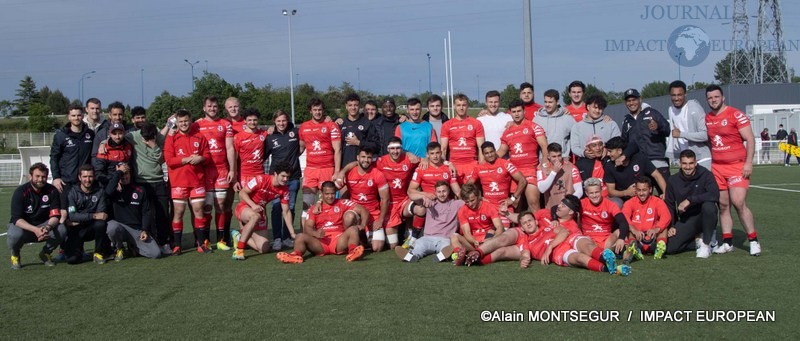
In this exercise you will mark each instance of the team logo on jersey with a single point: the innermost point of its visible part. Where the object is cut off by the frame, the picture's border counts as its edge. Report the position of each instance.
(525, 131)
(445, 176)
(219, 128)
(291, 134)
(604, 214)
(69, 142)
(405, 168)
(718, 141)
(547, 229)
(261, 137)
(649, 210)
(518, 147)
(94, 198)
(469, 127)
(494, 187)
(362, 197)
(45, 198)
(29, 209)
(499, 170)
(483, 217)
(197, 144)
(336, 209)
(316, 145)
(635, 168)
(396, 183)
(275, 143)
(724, 122)
(462, 141)
(369, 182)
(324, 130)
(88, 136)
(360, 127)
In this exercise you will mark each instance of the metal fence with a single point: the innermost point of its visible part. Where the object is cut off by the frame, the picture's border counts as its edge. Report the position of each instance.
(14, 140)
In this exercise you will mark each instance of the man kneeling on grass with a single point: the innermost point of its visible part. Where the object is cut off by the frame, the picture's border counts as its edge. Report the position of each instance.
(559, 241)
(332, 231)
(440, 223)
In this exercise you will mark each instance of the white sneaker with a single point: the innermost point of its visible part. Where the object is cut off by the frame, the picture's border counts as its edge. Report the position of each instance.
(276, 245)
(704, 251)
(724, 248)
(288, 243)
(755, 248)
(713, 242)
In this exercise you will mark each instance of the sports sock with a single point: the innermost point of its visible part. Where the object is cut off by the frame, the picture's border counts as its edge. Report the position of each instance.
(202, 235)
(351, 247)
(597, 253)
(220, 220)
(226, 236)
(752, 237)
(177, 232)
(487, 259)
(297, 253)
(241, 245)
(415, 233)
(660, 239)
(596, 265)
(727, 238)
(200, 223)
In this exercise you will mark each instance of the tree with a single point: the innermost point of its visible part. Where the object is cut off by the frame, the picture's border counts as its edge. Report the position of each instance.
(698, 85)
(26, 95)
(6, 108)
(56, 100)
(163, 106)
(39, 119)
(211, 84)
(508, 94)
(773, 69)
(655, 89)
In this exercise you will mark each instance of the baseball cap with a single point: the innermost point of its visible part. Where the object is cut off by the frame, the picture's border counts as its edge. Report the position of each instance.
(116, 126)
(593, 139)
(632, 93)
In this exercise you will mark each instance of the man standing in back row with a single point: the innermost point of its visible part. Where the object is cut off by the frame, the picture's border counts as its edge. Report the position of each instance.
(732, 165)
(220, 172)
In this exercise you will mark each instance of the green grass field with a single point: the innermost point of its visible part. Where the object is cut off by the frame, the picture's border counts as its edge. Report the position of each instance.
(205, 297)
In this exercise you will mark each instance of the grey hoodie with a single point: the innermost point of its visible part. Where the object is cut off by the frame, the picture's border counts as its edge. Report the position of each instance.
(583, 130)
(696, 138)
(557, 127)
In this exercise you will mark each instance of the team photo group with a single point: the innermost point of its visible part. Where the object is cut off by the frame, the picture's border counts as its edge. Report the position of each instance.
(550, 183)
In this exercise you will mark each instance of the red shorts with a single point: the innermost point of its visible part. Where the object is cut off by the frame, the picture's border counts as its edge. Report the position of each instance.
(217, 178)
(186, 193)
(560, 252)
(600, 240)
(530, 177)
(329, 245)
(729, 175)
(396, 213)
(261, 225)
(480, 236)
(464, 171)
(314, 177)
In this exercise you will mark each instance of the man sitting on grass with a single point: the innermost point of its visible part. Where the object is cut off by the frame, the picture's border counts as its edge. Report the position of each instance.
(332, 231)
(479, 221)
(440, 223)
(559, 242)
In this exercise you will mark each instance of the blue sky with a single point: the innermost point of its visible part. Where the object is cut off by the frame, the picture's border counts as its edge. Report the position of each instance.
(55, 41)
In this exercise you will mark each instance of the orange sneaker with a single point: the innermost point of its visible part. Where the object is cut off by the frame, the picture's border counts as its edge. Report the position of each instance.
(289, 258)
(355, 254)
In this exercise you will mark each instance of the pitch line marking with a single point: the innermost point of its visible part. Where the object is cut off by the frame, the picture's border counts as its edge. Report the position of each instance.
(776, 189)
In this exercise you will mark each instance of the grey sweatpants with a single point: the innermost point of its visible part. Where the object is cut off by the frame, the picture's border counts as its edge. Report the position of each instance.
(429, 245)
(119, 232)
(18, 236)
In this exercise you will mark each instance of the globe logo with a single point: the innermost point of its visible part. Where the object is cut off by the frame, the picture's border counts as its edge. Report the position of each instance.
(688, 45)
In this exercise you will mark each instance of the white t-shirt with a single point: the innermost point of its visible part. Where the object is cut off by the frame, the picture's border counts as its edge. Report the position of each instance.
(680, 120)
(494, 126)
